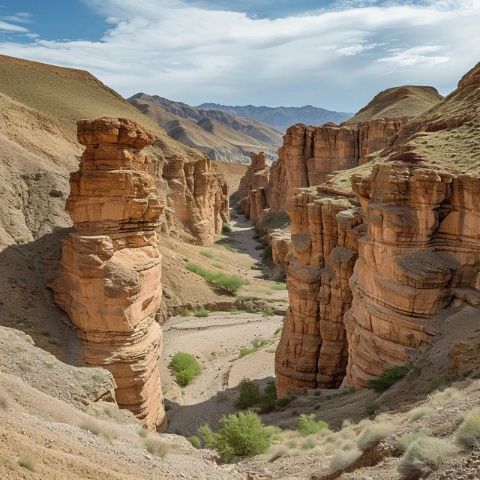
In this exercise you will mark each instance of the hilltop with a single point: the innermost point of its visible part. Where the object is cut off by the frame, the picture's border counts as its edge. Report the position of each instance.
(218, 134)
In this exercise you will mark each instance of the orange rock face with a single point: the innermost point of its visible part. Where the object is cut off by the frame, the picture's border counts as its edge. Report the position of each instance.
(313, 348)
(197, 197)
(110, 273)
(421, 251)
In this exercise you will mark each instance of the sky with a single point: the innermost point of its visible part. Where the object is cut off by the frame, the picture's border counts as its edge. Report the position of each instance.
(333, 54)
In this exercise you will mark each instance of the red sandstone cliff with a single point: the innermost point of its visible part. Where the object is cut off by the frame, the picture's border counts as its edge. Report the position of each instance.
(110, 273)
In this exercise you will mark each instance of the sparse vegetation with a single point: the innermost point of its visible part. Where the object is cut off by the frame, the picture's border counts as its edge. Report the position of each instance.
(373, 435)
(343, 459)
(284, 401)
(268, 312)
(98, 428)
(372, 408)
(279, 286)
(420, 412)
(251, 396)
(424, 456)
(142, 432)
(195, 441)
(241, 434)
(185, 312)
(27, 463)
(207, 254)
(468, 433)
(406, 440)
(155, 446)
(228, 283)
(308, 425)
(256, 345)
(185, 368)
(390, 376)
(278, 453)
(226, 228)
(202, 313)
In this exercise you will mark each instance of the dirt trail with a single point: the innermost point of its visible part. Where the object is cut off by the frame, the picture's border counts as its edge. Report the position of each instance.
(216, 342)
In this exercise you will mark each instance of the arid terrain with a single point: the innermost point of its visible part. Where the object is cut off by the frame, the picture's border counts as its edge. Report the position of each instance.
(150, 294)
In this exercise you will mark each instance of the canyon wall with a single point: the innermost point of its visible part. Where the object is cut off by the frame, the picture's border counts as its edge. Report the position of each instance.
(109, 280)
(324, 237)
(196, 197)
(421, 251)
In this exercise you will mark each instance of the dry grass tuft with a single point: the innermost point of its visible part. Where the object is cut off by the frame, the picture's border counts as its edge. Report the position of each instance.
(373, 435)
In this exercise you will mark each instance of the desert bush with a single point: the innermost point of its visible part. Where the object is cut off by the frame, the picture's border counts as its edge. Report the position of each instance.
(343, 459)
(446, 395)
(226, 228)
(420, 412)
(155, 446)
(468, 433)
(390, 376)
(207, 254)
(185, 368)
(373, 435)
(278, 453)
(406, 440)
(308, 444)
(249, 394)
(229, 283)
(26, 463)
(307, 425)
(268, 312)
(424, 456)
(240, 434)
(98, 428)
(371, 408)
(202, 313)
(284, 401)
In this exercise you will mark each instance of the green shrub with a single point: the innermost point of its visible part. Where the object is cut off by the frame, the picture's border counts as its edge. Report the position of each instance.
(202, 313)
(373, 435)
(284, 401)
(226, 228)
(307, 425)
(249, 394)
(241, 434)
(195, 441)
(424, 456)
(468, 433)
(26, 463)
(268, 312)
(388, 378)
(371, 408)
(207, 253)
(185, 368)
(267, 254)
(343, 459)
(229, 283)
(256, 345)
(185, 312)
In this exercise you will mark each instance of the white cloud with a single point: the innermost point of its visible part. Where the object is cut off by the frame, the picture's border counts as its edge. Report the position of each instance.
(11, 27)
(335, 58)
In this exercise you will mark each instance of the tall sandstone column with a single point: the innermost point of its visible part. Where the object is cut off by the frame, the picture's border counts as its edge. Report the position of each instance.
(109, 281)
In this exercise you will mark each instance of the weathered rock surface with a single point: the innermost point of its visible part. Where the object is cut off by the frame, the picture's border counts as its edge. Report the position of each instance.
(109, 281)
(313, 348)
(421, 251)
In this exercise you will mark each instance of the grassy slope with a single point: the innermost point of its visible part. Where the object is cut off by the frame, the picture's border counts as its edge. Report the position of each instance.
(68, 95)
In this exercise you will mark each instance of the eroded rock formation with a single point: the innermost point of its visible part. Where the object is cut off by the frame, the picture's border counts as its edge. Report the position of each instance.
(422, 250)
(313, 349)
(109, 281)
(197, 197)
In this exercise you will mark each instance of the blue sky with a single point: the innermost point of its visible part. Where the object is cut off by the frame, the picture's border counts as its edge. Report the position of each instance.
(335, 54)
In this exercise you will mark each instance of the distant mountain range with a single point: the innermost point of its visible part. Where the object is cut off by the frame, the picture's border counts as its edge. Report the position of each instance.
(221, 135)
(282, 117)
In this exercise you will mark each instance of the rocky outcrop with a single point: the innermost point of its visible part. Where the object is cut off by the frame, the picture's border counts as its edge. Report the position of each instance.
(422, 250)
(197, 198)
(251, 190)
(109, 281)
(313, 348)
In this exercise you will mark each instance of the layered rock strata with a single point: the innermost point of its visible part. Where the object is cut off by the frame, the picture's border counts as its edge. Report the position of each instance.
(197, 197)
(313, 348)
(422, 250)
(109, 280)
